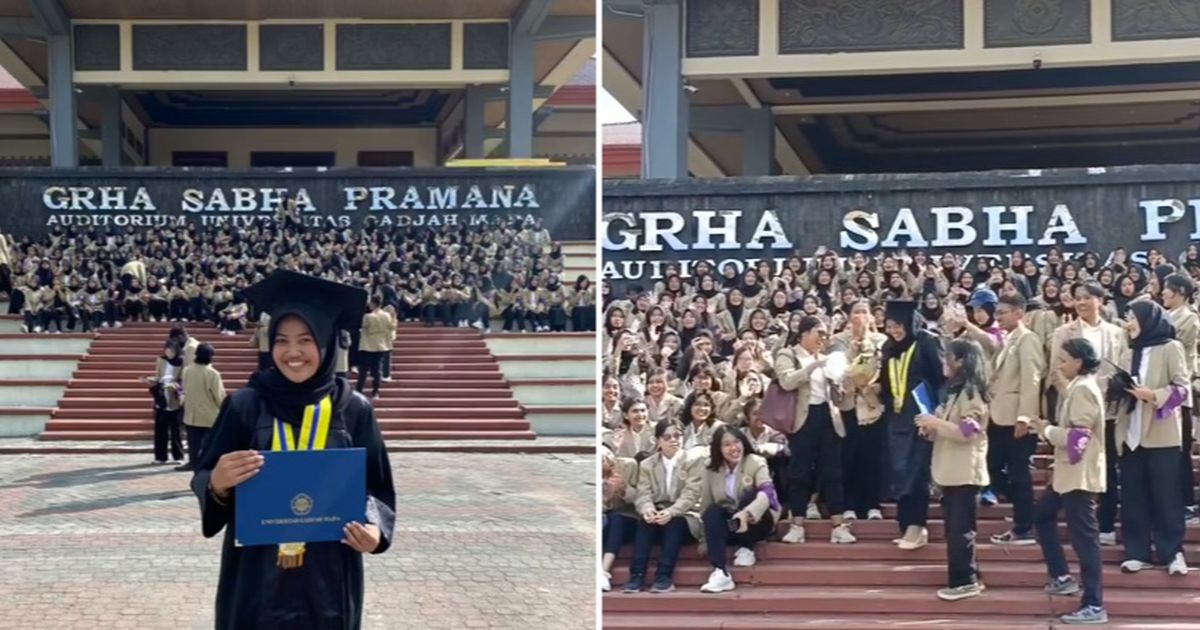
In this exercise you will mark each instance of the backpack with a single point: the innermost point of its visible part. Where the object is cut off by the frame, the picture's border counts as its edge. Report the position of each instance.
(779, 408)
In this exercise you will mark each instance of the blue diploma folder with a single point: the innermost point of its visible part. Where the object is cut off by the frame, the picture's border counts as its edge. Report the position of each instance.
(302, 496)
(924, 400)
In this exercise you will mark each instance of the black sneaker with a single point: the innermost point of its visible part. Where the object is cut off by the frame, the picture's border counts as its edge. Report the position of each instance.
(1063, 586)
(1012, 538)
(634, 585)
(662, 584)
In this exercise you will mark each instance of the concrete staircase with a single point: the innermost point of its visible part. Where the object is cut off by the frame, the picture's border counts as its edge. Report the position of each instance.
(446, 386)
(34, 370)
(580, 260)
(554, 378)
(873, 585)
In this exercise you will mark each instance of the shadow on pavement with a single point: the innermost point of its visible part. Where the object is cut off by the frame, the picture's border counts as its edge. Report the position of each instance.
(105, 503)
(86, 476)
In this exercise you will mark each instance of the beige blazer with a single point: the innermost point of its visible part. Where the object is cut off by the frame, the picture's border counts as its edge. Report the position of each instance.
(1081, 406)
(681, 496)
(793, 368)
(1187, 331)
(261, 332)
(669, 408)
(204, 392)
(693, 437)
(627, 470)
(376, 329)
(1112, 349)
(630, 444)
(769, 443)
(189, 351)
(960, 454)
(1165, 368)
(1016, 381)
(751, 473)
(860, 389)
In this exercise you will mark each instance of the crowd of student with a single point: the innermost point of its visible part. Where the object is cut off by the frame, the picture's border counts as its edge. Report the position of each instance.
(74, 280)
(736, 402)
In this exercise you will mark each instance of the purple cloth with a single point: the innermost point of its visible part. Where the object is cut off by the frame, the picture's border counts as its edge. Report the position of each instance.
(969, 427)
(768, 488)
(1077, 442)
(1174, 401)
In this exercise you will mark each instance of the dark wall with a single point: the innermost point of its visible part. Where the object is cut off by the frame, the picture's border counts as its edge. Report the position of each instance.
(1078, 210)
(32, 201)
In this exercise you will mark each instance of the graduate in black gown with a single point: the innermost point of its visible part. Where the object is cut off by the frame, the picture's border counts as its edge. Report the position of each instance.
(911, 355)
(315, 586)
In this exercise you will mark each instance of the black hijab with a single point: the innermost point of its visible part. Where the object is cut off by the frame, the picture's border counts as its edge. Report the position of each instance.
(1156, 329)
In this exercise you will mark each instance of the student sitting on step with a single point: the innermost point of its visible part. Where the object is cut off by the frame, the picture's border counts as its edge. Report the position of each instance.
(738, 505)
(668, 488)
(619, 476)
(1078, 477)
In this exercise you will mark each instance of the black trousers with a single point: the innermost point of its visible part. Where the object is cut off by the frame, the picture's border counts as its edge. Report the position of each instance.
(718, 537)
(111, 313)
(959, 504)
(199, 309)
(671, 536)
(158, 308)
(912, 510)
(583, 318)
(369, 362)
(816, 449)
(1187, 479)
(556, 318)
(195, 441)
(1151, 504)
(618, 530)
(1111, 499)
(862, 463)
(1084, 530)
(179, 308)
(433, 314)
(1008, 466)
(385, 364)
(514, 319)
(166, 434)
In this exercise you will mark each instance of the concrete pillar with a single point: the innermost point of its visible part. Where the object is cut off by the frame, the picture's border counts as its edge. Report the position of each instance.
(758, 146)
(664, 105)
(519, 126)
(474, 128)
(110, 127)
(64, 136)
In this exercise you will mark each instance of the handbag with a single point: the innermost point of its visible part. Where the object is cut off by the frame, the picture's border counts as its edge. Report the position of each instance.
(779, 408)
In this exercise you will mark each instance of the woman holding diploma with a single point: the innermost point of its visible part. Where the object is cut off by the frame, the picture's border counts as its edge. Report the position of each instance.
(295, 585)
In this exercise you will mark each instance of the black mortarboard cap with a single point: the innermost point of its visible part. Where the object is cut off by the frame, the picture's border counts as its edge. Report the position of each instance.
(900, 311)
(324, 305)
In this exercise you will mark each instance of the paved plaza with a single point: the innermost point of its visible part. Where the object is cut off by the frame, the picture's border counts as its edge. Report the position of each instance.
(482, 541)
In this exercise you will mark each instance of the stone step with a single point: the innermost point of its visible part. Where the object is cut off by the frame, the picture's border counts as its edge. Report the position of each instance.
(137, 405)
(413, 410)
(851, 621)
(480, 423)
(235, 375)
(390, 435)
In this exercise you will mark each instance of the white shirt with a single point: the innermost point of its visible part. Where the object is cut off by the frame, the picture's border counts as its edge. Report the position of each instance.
(1094, 335)
(818, 387)
(670, 465)
(1133, 437)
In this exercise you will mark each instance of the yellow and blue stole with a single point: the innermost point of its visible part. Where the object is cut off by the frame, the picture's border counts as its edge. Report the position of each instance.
(314, 433)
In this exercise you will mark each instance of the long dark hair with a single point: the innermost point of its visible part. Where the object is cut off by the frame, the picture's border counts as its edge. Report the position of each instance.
(715, 458)
(1082, 349)
(971, 378)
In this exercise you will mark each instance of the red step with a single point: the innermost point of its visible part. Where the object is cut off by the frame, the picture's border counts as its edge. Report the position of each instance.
(851, 621)
(386, 424)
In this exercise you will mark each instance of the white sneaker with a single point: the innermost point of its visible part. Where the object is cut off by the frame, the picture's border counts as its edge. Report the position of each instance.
(605, 582)
(119, 325)
(849, 515)
(1133, 566)
(386, 379)
(812, 513)
(718, 582)
(1108, 539)
(874, 515)
(841, 535)
(794, 535)
(744, 557)
(104, 324)
(37, 329)
(1178, 566)
(921, 541)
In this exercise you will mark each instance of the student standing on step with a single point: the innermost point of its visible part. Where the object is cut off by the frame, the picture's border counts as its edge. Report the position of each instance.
(959, 432)
(1015, 390)
(376, 327)
(738, 505)
(205, 390)
(911, 356)
(1078, 477)
(1149, 439)
(1177, 292)
(1110, 343)
(667, 491)
(385, 361)
(815, 440)
(165, 387)
(314, 585)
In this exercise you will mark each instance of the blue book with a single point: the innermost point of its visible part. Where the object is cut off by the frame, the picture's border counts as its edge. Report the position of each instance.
(925, 401)
(302, 496)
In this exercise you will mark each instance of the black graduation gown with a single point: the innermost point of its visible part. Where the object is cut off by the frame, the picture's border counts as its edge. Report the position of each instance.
(909, 454)
(326, 593)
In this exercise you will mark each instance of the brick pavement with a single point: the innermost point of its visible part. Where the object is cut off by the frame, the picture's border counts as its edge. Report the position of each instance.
(482, 541)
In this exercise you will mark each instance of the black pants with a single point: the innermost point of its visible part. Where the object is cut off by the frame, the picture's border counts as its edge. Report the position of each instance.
(1187, 479)
(619, 529)
(433, 314)
(264, 361)
(195, 441)
(1111, 499)
(111, 313)
(1008, 466)
(556, 318)
(158, 308)
(369, 362)
(179, 308)
(408, 313)
(959, 504)
(1151, 504)
(671, 536)
(385, 364)
(48, 316)
(166, 433)
(1080, 507)
(514, 319)
(718, 537)
(912, 510)
(862, 463)
(583, 318)
(198, 309)
(135, 310)
(816, 449)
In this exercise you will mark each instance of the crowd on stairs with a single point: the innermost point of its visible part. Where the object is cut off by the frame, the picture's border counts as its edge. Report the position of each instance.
(739, 407)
